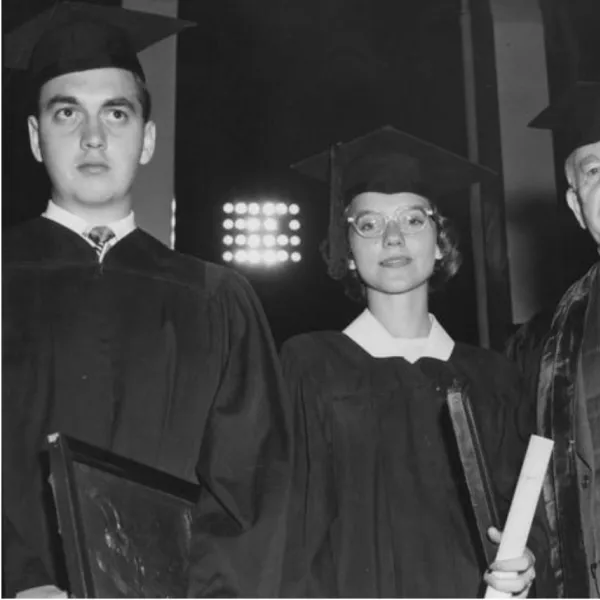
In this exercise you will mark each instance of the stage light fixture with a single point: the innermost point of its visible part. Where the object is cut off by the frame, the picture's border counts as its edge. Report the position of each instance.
(255, 240)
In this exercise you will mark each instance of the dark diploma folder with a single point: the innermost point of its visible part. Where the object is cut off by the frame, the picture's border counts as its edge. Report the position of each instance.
(125, 527)
(474, 466)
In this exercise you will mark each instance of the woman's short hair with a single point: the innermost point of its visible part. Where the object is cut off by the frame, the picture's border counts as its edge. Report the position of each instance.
(445, 267)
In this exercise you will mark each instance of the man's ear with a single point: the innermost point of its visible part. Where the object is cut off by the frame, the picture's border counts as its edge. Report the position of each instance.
(34, 137)
(575, 206)
(149, 143)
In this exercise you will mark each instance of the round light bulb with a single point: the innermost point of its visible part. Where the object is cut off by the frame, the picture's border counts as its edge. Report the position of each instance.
(268, 209)
(270, 257)
(270, 224)
(253, 224)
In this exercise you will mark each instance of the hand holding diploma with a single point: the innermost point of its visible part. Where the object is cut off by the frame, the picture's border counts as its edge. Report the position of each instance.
(511, 576)
(513, 570)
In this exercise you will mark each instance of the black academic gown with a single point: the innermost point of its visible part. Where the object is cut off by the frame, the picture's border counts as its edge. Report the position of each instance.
(160, 358)
(380, 504)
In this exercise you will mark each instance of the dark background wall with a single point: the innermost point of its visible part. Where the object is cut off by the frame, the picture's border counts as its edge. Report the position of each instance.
(259, 90)
(264, 84)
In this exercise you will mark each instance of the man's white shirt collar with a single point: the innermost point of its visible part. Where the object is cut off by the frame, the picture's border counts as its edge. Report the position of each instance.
(63, 217)
(377, 341)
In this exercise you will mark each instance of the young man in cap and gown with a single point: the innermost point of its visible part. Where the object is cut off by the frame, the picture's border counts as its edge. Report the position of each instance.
(118, 341)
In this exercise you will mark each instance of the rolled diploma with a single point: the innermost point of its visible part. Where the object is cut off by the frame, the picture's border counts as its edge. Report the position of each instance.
(523, 505)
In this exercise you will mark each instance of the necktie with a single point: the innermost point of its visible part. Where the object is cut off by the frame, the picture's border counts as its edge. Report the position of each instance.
(100, 236)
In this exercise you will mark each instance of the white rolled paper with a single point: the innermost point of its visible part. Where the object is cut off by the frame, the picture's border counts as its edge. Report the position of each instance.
(523, 505)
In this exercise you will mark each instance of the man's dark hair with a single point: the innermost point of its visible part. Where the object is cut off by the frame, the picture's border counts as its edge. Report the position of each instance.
(143, 95)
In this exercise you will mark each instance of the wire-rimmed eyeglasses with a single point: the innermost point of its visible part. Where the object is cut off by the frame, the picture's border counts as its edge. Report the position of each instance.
(372, 224)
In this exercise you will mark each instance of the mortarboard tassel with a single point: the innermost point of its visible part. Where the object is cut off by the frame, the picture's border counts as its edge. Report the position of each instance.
(335, 251)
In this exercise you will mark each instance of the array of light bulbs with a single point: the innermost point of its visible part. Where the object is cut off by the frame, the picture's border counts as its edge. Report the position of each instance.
(261, 233)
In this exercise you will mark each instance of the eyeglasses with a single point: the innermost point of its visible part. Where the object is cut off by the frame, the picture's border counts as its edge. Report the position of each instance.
(373, 224)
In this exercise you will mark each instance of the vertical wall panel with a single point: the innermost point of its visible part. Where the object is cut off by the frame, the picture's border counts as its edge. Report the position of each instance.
(153, 189)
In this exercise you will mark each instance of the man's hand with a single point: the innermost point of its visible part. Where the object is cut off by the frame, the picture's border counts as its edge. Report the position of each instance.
(43, 591)
(513, 576)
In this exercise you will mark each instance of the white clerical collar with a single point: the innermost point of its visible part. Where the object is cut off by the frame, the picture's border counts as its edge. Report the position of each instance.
(375, 339)
(67, 219)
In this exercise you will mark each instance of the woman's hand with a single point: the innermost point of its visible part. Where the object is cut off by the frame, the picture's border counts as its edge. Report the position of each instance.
(43, 591)
(513, 576)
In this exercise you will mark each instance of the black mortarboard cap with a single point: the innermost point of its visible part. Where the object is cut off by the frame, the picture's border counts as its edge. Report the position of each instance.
(77, 36)
(576, 115)
(388, 161)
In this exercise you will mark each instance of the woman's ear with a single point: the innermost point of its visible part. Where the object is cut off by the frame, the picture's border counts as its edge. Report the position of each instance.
(351, 264)
(438, 253)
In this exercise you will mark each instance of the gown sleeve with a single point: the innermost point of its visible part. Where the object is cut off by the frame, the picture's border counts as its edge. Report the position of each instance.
(238, 529)
(22, 568)
(25, 538)
(524, 348)
(309, 563)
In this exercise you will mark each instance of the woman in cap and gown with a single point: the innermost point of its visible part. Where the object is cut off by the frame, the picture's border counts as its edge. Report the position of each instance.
(380, 505)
